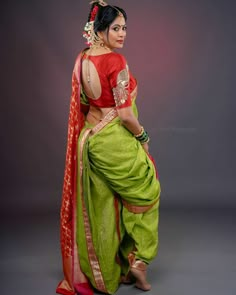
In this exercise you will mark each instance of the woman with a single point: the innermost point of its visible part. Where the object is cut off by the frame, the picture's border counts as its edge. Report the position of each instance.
(109, 213)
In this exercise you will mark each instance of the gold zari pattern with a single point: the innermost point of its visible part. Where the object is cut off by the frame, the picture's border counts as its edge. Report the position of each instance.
(95, 267)
(138, 209)
(107, 119)
(121, 91)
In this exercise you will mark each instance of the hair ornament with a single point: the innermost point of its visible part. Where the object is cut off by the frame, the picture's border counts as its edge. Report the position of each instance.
(89, 33)
(100, 2)
(94, 13)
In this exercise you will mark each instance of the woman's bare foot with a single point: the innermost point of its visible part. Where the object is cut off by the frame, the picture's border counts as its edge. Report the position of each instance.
(138, 269)
(140, 276)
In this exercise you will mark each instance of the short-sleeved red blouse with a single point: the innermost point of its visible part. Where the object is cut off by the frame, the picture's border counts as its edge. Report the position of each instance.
(117, 82)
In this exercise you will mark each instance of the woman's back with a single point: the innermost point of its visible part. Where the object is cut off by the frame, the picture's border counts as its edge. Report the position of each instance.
(100, 75)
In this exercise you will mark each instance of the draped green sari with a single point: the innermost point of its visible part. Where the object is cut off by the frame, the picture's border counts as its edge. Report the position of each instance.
(117, 202)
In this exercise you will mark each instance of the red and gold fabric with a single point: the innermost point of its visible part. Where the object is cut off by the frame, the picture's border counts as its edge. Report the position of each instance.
(111, 194)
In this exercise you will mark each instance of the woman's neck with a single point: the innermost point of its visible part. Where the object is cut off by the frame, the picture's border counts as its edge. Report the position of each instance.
(98, 49)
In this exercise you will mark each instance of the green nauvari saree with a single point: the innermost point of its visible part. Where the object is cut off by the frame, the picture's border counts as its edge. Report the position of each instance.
(114, 202)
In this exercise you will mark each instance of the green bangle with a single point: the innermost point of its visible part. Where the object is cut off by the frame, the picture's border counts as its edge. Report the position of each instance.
(147, 141)
(143, 137)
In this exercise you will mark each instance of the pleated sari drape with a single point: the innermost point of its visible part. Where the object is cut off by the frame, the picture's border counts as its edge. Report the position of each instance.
(110, 201)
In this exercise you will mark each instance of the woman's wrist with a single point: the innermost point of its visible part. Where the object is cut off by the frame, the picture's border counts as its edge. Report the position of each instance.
(140, 133)
(142, 136)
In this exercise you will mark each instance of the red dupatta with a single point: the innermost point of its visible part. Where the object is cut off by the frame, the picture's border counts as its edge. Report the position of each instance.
(74, 280)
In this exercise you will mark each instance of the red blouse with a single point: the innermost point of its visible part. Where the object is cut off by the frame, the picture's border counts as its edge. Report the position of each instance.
(117, 82)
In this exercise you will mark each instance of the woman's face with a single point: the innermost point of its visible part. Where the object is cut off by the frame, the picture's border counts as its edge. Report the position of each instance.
(115, 35)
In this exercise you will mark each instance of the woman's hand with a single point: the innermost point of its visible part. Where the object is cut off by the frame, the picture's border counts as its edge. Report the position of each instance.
(145, 147)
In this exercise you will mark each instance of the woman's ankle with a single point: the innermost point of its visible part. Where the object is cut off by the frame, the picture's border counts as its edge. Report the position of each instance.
(138, 269)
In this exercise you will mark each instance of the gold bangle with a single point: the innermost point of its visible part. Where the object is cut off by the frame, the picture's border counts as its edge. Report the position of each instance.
(141, 132)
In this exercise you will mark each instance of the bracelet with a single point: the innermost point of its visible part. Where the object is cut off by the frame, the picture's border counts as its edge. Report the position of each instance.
(142, 136)
(141, 132)
(145, 141)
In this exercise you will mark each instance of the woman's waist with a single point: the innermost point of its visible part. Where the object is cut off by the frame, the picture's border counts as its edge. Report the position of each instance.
(97, 114)
(100, 117)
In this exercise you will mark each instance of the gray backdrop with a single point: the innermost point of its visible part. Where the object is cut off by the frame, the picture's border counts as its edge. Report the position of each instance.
(183, 55)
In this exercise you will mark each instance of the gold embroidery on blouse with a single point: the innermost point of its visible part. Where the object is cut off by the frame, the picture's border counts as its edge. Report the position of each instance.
(121, 91)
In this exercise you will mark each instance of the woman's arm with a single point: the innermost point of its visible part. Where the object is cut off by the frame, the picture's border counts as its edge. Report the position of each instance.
(130, 122)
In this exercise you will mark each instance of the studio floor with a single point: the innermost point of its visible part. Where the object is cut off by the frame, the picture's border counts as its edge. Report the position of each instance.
(197, 254)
